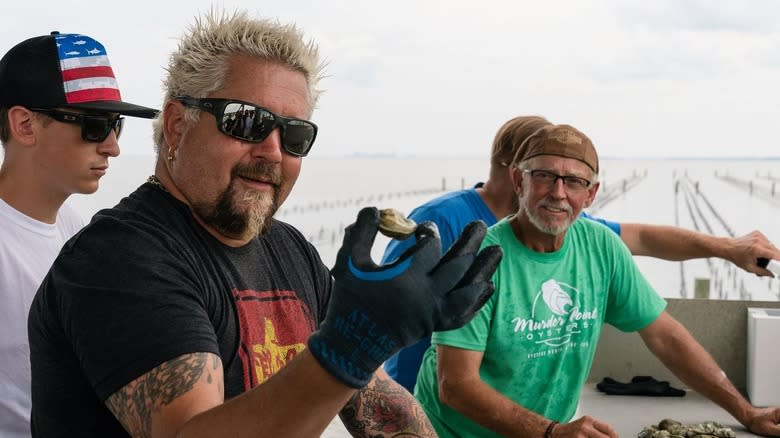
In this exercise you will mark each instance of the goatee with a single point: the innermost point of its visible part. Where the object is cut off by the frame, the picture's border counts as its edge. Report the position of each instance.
(247, 215)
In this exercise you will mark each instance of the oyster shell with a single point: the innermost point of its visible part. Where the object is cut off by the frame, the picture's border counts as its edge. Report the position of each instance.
(669, 428)
(393, 224)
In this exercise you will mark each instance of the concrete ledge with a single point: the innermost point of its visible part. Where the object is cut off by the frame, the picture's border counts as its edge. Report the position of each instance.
(719, 325)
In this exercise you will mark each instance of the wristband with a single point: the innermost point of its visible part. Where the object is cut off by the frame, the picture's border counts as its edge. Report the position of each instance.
(548, 432)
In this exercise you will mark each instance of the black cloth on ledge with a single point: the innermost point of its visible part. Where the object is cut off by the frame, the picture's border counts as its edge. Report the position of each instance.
(639, 385)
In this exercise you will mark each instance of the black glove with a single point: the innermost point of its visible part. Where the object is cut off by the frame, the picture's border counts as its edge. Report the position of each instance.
(375, 310)
(639, 385)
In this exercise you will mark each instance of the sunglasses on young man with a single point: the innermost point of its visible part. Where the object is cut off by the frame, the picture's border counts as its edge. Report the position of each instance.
(94, 128)
(253, 123)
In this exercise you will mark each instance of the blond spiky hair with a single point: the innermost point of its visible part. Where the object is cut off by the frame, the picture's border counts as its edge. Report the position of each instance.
(200, 64)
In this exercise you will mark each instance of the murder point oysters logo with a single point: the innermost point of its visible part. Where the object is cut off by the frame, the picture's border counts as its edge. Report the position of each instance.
(555, 298)
(555, 317)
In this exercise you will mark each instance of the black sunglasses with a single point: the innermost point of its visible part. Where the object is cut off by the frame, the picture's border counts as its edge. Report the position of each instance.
(94, 128)
(249, 122)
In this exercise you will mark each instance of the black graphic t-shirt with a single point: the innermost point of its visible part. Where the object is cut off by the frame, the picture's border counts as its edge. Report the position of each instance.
(142, 284)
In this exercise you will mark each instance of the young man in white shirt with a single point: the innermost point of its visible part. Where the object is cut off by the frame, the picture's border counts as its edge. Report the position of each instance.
(60, 117)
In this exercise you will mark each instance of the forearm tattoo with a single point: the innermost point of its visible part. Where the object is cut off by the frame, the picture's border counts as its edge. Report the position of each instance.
(134, 404)
(385, 409)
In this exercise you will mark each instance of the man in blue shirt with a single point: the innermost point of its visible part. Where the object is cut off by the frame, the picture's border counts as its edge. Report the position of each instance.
(495, 199)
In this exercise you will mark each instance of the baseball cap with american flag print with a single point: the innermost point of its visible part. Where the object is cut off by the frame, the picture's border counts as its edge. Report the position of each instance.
(63, 71)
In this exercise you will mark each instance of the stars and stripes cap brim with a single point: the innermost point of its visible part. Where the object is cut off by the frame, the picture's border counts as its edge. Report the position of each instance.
(63, 71)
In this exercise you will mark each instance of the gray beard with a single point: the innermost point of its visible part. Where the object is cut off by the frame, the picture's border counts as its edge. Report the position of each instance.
(544, 228)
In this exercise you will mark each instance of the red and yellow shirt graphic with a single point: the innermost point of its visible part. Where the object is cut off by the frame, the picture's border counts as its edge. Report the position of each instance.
(274, 327)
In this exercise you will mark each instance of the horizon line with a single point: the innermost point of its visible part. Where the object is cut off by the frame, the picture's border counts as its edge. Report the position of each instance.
(392, 155)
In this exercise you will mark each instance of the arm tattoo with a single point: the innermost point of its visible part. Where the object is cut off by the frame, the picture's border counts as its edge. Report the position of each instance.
(134, 404)
(385, 409)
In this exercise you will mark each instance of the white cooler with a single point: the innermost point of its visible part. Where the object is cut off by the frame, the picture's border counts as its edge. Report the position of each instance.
(763, 356)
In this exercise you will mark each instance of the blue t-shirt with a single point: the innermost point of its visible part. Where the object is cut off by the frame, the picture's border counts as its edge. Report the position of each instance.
(614, 226)
(451, 213)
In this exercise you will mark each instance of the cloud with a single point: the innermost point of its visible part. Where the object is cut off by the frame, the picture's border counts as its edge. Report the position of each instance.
(439, 77)
(758, 17)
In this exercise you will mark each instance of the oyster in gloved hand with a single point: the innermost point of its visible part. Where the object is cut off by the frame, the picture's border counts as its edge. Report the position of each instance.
(393, 224)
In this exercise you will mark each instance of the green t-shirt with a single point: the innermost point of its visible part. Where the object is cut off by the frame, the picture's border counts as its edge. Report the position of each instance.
(540, 328)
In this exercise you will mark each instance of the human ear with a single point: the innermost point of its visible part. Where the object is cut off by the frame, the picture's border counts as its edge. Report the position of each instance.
(174, 125)
(592, 194)
(22, 126)
(517, 180)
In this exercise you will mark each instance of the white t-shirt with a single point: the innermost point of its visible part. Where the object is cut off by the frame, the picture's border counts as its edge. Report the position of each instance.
(27, 250)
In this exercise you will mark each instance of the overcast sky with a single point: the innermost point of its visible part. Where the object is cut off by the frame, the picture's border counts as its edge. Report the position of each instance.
(659, 78)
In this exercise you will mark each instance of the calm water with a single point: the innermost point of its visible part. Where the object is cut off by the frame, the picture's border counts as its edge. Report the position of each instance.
(720, 197)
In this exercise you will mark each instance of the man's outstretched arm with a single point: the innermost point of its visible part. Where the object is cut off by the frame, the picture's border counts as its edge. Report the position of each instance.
(671, 342)
(677, 244)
